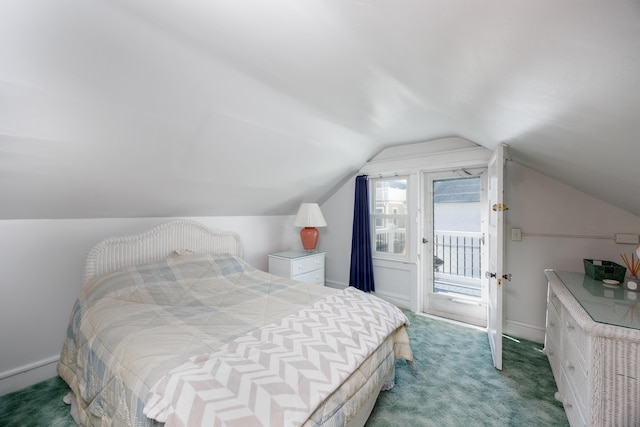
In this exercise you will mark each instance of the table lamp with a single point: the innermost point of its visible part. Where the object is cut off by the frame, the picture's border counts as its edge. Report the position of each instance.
(309, 216)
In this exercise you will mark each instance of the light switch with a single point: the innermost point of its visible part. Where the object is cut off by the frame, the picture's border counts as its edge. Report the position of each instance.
(516, 234)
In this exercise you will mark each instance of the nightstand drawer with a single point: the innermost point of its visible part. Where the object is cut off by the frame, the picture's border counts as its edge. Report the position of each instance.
(305, 265)
(313, 277)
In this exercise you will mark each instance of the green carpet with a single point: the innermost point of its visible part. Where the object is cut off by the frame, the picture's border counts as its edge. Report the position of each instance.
(454, 384)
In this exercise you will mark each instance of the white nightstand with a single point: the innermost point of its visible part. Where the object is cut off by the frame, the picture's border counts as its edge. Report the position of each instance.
(303, 266)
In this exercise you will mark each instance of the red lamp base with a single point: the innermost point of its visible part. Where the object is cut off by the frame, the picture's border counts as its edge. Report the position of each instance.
(309, 236)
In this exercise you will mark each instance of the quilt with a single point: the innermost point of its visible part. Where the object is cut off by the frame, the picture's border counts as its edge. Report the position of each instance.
(129, 329)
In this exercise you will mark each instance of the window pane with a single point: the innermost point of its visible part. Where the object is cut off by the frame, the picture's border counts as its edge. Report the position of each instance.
(390, 213)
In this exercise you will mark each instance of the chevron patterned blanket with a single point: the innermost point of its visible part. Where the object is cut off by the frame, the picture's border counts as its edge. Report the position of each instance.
(278, 374)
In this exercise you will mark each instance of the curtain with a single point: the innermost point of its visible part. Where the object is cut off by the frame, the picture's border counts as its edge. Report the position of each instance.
(361, 274)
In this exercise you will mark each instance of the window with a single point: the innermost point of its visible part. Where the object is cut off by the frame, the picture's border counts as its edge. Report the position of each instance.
(390, 216)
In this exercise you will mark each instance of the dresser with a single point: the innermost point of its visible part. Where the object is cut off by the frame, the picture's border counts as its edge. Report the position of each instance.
(592, 341)
(303, 266)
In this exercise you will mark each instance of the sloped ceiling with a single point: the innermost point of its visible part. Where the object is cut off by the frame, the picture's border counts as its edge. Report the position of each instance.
(129, 108)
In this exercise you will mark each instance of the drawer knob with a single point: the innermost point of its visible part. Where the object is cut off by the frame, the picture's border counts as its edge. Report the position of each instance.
(570, 365)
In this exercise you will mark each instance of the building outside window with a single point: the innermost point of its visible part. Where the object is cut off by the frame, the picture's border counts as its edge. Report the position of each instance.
(390, 216)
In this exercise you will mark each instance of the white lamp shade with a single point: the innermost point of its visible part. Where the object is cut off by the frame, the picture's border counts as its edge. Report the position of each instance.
(310, 215)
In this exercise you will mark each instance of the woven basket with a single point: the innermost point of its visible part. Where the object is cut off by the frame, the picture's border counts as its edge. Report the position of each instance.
(608, 270)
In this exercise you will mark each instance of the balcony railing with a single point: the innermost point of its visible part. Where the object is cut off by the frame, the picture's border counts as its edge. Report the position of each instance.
(457, 262)
(456, 258)
(391, 240)
(458, 252)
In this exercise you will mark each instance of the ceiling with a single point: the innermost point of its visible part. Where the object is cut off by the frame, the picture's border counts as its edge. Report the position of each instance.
(129, 108)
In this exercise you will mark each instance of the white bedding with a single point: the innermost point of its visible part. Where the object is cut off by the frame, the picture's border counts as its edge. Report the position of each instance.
(129, 329)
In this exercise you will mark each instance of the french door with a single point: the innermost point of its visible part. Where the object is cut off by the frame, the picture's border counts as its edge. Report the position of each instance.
(454, 286)
(495, 273)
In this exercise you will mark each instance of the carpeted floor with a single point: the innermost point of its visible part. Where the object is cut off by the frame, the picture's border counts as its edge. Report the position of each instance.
(454, 385)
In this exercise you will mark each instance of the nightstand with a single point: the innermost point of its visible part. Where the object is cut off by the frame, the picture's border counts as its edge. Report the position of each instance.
(303, 266)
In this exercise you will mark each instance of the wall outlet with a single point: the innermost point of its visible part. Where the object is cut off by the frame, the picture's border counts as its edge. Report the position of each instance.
(627, 239)
(516, 234)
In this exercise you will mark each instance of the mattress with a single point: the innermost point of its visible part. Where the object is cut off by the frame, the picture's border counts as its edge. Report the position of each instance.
(130, 329)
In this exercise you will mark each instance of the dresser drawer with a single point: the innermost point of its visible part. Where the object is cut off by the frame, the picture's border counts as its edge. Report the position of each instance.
(552, 350)
(553, 299)
(305, 265)
(576, 375)
(554, 324)
(578, 337)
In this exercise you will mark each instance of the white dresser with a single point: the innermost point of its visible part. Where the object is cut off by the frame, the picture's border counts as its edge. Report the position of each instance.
(303, 266)
(593, 344)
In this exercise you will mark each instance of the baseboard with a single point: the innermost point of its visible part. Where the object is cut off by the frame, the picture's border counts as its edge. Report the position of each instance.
(24, 376)
(524, 331)
(334, 284)
(393, 299)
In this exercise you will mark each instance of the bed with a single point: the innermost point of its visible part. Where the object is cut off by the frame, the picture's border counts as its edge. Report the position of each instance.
(173, 327)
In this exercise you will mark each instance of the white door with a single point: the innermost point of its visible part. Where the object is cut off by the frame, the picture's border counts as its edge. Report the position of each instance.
(495, 268)
(455, 262)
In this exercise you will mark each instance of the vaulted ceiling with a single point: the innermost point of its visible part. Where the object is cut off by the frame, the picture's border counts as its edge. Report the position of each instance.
(126, 108)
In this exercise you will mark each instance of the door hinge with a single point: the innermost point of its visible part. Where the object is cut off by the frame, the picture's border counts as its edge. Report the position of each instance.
(499, 207)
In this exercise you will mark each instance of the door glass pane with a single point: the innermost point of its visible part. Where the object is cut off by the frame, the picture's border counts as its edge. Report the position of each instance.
(457, 236)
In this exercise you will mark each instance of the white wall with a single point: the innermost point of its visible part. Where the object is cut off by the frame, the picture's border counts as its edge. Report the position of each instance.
(335, 238)
(41, 271)
(538, 205)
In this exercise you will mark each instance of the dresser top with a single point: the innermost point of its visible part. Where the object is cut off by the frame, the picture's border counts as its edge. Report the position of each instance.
(616, 305)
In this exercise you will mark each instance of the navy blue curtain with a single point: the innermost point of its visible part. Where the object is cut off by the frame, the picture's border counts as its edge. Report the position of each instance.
(361, 274)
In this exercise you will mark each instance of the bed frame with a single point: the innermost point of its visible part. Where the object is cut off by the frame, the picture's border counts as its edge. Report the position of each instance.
(116, 253)
(158, 243)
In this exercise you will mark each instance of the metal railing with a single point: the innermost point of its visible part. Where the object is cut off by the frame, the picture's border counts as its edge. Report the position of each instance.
(391, 239)
(456, 257)
(458, 253)
(457, 263)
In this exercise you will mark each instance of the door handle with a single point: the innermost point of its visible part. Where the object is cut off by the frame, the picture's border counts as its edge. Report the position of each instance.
(424, 240)
(489, 275)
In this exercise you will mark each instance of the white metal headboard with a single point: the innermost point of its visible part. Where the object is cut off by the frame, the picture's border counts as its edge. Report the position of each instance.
(116, 253)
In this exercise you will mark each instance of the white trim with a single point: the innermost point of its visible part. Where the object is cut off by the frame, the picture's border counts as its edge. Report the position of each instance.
(29, 367)
(26, 375)
(393, 299)
(452, 321)
(524, 330)
(335, 285)
(442, 161)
